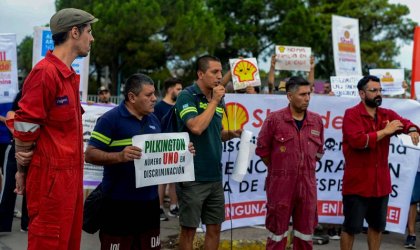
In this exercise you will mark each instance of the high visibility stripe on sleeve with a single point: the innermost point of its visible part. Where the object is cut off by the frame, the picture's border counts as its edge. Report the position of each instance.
(188, 110)
(278, 238)
(203, 105)
(124, 142)
(101, 137)
(26, 126)
(302, 236)
(219, 110)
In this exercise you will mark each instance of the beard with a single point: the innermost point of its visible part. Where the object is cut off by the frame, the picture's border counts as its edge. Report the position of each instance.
(375, 102)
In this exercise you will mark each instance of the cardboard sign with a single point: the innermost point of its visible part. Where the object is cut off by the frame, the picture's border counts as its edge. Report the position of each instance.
(293, 58)
(345, 85)
(391, 80)
(164, 159)
(245, 73)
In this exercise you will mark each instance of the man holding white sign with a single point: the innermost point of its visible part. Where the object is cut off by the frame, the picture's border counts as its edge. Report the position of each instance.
(367, 130)
(110, 145)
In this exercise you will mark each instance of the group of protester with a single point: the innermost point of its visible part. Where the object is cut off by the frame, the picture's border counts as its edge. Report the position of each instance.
(47, 132)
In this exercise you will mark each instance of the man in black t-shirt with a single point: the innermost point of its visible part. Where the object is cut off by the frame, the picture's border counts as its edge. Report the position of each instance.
(172, 88)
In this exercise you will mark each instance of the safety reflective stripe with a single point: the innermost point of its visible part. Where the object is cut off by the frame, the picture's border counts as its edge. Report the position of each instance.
(187, 110)
(278, 238)
(219, 110)
(367, 141)
(26, 126)
(319, 155)
(124, 142)
(203, 105)
(305, 237)
(101, 137)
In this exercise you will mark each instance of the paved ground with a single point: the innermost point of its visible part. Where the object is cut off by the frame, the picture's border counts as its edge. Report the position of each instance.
(243, 238)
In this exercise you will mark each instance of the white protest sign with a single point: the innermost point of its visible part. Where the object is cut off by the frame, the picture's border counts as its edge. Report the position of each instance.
(345, 85)
(245, 73)
(391, 80)
(43, 42)
(346, 46)
(293, 58)
(164, 159)
(92, 174)
(8, 68)
(417, 89)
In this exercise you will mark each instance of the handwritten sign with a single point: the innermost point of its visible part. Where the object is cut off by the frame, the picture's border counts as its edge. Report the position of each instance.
(293, 58)
(345, 85)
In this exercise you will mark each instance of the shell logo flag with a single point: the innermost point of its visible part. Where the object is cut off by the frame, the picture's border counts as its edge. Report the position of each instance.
(244, 73)
(415, 79)
(236, 118)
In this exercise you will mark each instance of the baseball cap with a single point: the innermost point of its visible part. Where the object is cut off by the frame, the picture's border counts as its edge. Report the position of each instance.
(64, 19)
(102, 88)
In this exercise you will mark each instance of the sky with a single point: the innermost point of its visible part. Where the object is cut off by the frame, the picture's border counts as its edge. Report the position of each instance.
(20, 16)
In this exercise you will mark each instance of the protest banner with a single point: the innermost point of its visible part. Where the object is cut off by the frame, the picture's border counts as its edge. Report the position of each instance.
(248, 197)
(245, 72)
(92, 174)
(391, 80)
(43, 42)
(415, 69)
(9, 85)
(293, 58)
(346, 46)
(164, 159)
(345, 85)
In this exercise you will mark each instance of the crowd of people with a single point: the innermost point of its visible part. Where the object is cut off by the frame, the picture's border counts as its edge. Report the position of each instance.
(46, 155)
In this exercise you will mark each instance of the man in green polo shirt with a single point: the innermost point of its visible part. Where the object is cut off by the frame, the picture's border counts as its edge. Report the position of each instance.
(201, 113)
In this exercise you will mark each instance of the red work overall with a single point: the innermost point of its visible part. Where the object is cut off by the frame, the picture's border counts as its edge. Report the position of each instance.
(291, 182)
(50, 115)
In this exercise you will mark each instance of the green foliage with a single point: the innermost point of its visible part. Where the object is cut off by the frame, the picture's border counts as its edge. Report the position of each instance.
(151, 35)
(24, 54)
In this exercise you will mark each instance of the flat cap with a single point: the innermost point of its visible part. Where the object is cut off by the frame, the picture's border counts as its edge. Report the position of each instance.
(65, 19)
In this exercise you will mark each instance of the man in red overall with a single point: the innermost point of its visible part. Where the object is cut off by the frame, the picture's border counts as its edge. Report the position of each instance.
(48, 126)
(290, 142)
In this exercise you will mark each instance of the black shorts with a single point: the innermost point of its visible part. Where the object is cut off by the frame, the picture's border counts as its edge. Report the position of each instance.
(124, 218)
(356, 208)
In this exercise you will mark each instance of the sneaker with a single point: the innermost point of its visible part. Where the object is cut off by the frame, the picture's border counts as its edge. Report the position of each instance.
(333, 234)
(17, 214)
(23, 230)
(174, 212)
(410, 242)
(163, 215)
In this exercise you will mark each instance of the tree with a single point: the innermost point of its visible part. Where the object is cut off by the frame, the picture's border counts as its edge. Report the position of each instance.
(382, 25)
(144, 35)
(24, 53)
